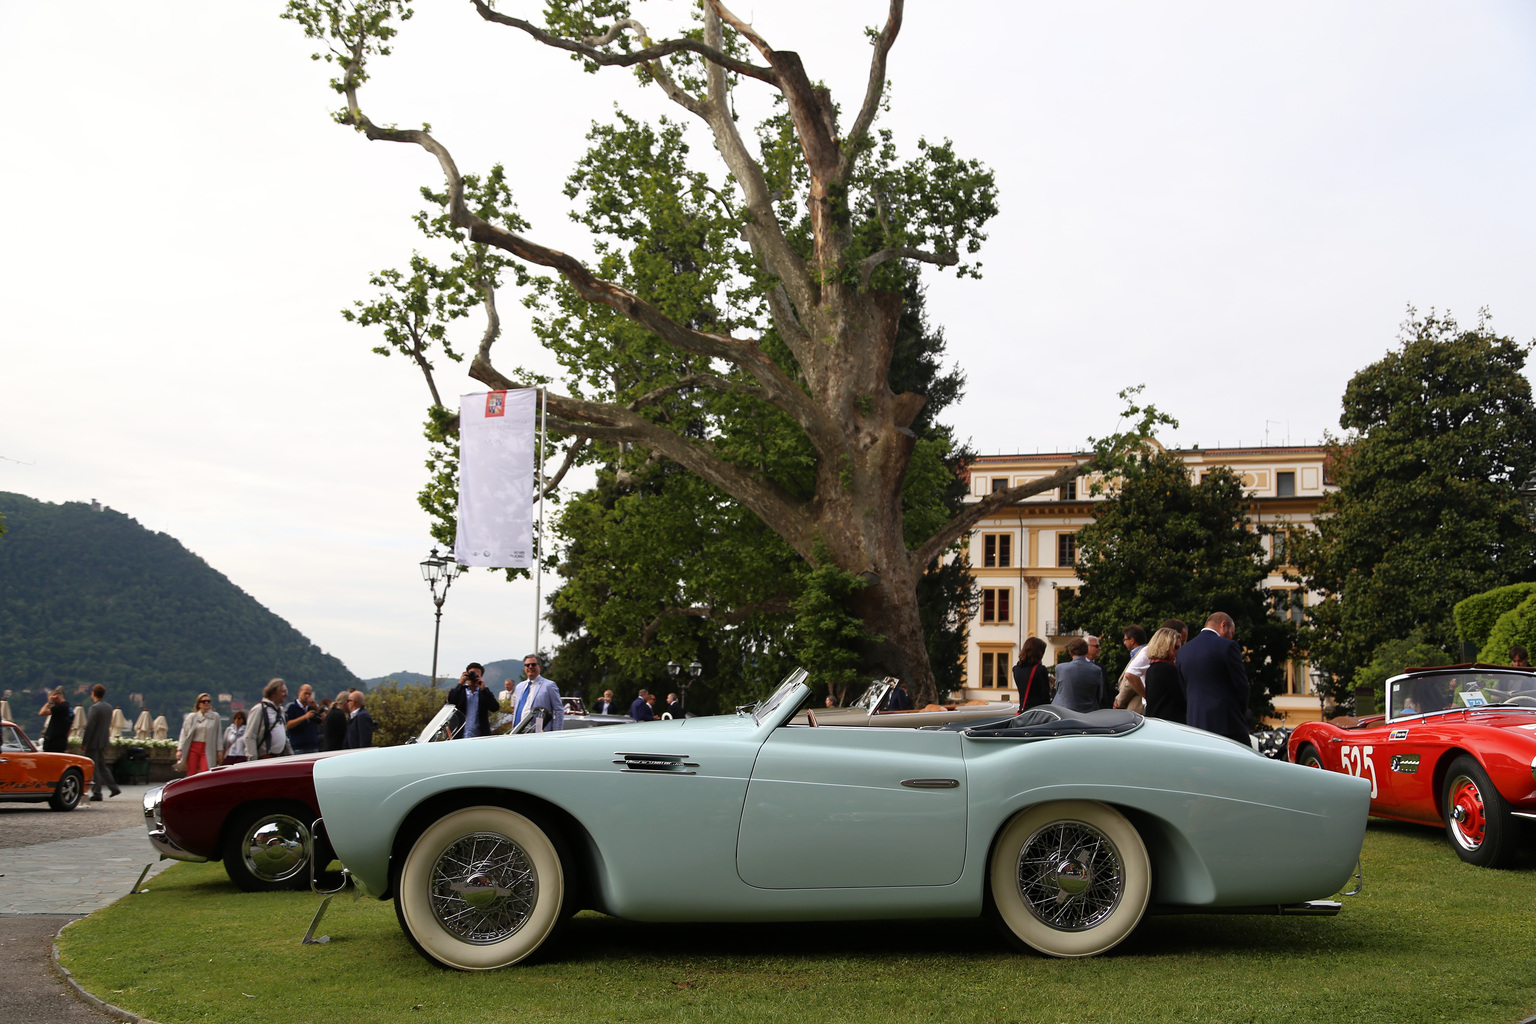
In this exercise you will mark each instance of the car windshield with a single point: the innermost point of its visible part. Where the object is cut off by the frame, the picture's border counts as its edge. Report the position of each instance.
(785, 691)
(874, 697)
(437, 728)
(1461, 688)
(11, 741)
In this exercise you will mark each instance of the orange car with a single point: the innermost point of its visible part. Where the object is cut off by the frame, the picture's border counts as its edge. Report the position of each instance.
(27, 773)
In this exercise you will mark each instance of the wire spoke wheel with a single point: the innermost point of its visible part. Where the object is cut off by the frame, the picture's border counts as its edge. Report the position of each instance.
(1070, 875)
(484, 887)
(480, 888)
(1070, 878)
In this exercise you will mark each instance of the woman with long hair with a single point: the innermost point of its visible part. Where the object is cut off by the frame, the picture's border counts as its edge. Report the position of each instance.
(1032, 678)
(1164, 681)
(202, 737)
(234, 739)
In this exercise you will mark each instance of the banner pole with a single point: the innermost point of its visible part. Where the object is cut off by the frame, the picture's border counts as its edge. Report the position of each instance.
(538, 548)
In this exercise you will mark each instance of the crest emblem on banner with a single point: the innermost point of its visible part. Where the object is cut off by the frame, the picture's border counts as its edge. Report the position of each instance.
(496, 403)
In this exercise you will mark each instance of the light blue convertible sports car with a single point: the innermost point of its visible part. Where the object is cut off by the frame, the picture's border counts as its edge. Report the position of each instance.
(1066, 827)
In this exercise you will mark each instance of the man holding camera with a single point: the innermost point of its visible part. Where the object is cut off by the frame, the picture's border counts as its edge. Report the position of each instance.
(472, 704)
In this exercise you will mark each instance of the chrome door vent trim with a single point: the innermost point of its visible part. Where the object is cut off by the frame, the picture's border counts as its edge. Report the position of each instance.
(668, 764)
(1407, 764)
(931, 783)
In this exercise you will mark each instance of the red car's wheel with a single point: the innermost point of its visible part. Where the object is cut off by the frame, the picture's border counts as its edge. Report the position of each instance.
(1306, 755)
(1476, 817)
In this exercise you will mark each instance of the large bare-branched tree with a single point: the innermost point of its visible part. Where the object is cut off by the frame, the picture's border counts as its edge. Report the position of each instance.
(801, 244)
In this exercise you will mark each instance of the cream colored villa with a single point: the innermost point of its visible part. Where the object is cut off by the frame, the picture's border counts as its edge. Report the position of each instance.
(1023, 556)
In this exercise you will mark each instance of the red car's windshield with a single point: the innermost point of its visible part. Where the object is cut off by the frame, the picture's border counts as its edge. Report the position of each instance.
(1455, 689)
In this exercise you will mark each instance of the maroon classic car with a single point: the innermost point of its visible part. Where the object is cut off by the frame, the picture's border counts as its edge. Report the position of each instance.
(258, 816)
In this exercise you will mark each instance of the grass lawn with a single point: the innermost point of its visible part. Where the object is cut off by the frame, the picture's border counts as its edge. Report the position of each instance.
(1430, 939)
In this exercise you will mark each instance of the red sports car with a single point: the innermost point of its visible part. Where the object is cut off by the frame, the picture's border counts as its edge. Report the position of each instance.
(27, 773)
(1457, 747)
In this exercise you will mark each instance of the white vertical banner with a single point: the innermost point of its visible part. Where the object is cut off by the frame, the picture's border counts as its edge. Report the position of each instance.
(496, 437)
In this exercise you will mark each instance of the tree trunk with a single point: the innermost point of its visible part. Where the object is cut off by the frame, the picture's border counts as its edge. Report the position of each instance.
(858, 505)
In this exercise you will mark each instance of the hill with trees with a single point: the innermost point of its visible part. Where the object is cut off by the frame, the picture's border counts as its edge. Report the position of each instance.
(88, 595)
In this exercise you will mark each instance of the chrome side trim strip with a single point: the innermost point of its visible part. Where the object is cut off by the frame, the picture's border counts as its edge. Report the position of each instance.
(931, 783)
(666, 764)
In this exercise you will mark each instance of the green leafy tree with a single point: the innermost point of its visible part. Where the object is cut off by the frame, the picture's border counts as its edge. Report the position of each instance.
(1160, 547)
(401, 712)
(762, 291)
(1390, 659)
(660, 566)
(1476, 615)
(1515, 628)
(1441, 433)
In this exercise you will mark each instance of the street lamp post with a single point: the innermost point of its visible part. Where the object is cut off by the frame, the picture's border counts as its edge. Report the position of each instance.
(695, 669)
(438, 569)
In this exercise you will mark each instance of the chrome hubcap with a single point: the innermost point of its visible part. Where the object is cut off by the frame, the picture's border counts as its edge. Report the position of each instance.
(1070, 875)
(1467, 814)
(276, 848)
(484, 887)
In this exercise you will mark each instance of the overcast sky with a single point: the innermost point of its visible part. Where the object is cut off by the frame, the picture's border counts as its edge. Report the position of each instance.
(1232, 204)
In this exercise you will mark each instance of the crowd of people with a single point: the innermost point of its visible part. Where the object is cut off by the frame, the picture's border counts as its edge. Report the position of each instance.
(1199, 681)
(274, 727)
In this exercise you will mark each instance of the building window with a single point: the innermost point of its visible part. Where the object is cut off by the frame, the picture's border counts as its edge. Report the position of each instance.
(1285, 485)
(1066, 549)
(996, 550)
(1068, 491)
(1289, 603)
(994, 669)
(999, 483)
(1063, 595)
(997, 604)
(1280, 542)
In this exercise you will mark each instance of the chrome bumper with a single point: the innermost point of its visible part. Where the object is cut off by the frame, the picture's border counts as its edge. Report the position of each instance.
(163, 843)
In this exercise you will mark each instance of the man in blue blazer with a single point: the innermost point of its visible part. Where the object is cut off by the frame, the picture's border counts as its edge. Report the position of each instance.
(1079, 682)
(1216, 683)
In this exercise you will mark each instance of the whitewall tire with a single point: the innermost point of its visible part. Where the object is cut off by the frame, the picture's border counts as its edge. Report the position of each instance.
(1070, 878)
(481, 888)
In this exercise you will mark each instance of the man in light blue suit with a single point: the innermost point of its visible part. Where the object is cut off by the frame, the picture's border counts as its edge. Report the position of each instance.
(1079, 683)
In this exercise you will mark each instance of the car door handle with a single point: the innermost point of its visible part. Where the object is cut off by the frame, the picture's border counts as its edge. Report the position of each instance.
(931, 783)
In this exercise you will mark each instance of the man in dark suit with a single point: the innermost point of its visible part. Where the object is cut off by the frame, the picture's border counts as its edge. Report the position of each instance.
(98, 740)
(360, 724)
(606, 705)
(1215, 681)
(472, 704)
